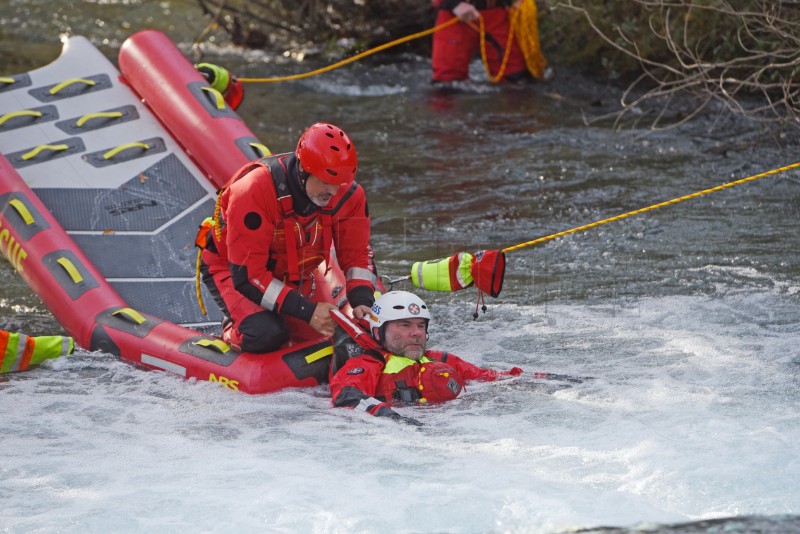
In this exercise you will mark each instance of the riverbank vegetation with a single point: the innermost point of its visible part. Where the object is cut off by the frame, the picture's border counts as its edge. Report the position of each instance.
(677, 58)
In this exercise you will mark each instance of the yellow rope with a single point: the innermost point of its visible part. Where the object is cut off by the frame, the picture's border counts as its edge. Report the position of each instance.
(216, 216)
(197, 286)
(653, 207)
(217, 225)
(525, 28)
(351, 59)
(507, 52)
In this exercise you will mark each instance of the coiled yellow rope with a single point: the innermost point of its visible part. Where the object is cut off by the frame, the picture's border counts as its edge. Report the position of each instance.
(525, 27)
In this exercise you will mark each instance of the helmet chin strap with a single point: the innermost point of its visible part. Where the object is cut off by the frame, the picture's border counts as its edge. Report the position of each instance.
(302, 175)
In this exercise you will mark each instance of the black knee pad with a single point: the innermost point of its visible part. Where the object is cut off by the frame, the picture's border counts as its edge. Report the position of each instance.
(263, 332)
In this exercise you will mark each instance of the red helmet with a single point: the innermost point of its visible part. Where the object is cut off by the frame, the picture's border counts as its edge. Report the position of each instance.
(327, 152)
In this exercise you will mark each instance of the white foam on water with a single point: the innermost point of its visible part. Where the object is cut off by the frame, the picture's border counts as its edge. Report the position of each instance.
(692, 413)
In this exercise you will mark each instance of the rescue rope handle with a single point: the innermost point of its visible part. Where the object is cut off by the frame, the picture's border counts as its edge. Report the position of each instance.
(72, 81)
(70, 269)
(653, 207)
(21, 113)
(99, 115)
(22, 210)
(127, 146)
(41, 148)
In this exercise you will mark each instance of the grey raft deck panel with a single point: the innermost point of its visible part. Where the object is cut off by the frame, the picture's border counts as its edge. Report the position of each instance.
(111, 175)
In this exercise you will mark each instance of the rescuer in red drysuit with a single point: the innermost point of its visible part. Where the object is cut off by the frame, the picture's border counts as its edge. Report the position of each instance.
(456, 45)
(274, 225)
(403, 370)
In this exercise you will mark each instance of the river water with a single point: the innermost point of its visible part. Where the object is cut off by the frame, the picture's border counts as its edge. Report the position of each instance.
(683, 322)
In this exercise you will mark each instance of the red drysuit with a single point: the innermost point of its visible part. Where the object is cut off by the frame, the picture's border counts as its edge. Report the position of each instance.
(260, 275)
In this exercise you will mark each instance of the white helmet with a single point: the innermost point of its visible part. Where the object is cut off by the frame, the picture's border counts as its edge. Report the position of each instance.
(396, 305)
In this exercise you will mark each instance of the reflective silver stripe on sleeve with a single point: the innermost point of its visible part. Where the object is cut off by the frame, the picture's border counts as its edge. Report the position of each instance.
(359, 273)
(459, 276)
(419, 274)
(270, 299)
(365, 405)
(66, 342)
(22, 340)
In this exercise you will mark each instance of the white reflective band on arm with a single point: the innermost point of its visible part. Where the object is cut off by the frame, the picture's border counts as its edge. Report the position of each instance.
(459, 274)
(270, 299)
(22, 341)
(419, 265)
(66, 345)
(359, 273)
(367, 404)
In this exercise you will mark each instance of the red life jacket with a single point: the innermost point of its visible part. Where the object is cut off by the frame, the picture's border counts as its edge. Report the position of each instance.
(421, 381)
(307, 243)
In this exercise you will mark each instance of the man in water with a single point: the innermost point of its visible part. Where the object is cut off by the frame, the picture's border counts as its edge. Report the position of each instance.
(456, 45)
(395, 365)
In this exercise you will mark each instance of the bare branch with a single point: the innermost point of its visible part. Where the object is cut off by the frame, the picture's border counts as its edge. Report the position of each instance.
(742, 59)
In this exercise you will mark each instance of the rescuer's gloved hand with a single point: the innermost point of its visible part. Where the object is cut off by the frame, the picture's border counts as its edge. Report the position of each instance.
(224, 82)
(383, 411)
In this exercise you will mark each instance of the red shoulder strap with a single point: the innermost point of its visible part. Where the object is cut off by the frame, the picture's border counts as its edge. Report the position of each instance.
(284, 196)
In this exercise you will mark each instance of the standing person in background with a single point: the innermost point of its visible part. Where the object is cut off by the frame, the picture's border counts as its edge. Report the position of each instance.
(399, 367)
(455, 46)
(274, 224)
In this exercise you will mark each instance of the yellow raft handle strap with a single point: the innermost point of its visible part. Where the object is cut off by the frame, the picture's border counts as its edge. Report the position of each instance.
(219, 100)
(7, 80)
(72, 271)
(36, 151)
(99, 115)
(217, 344)
(262, 149)
(321, 353)
(18, 205)
(21, 113)
(130, 314)
(66, 83)
(115, 151)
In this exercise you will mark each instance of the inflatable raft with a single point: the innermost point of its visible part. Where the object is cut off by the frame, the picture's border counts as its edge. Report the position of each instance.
(105, 176)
